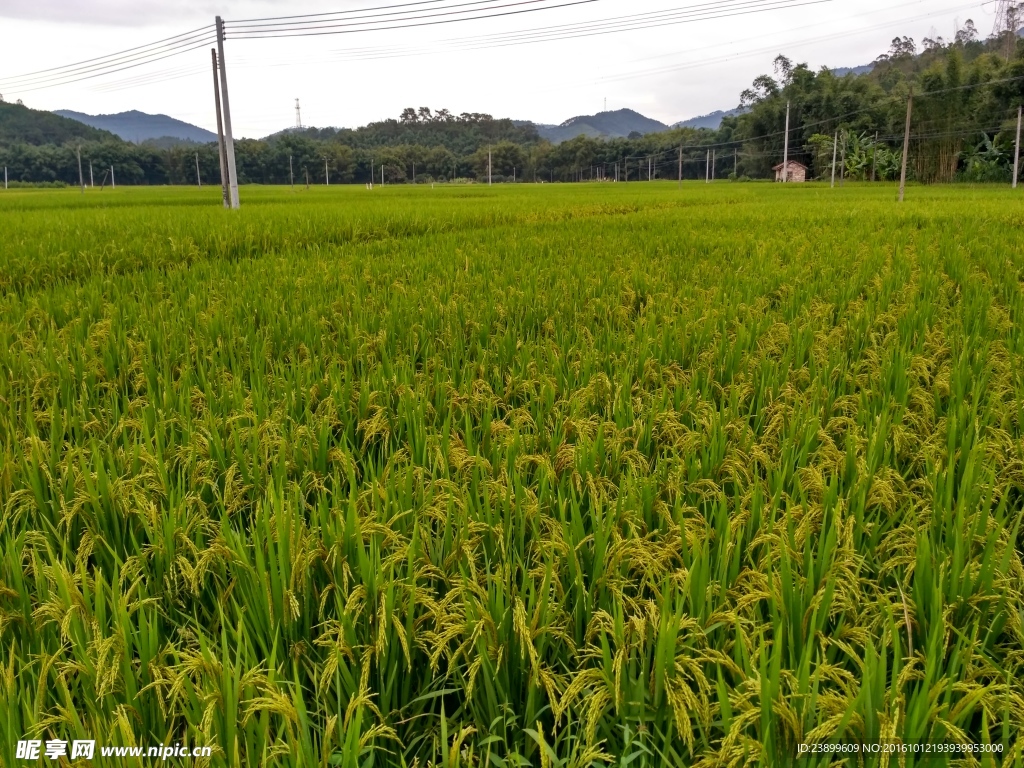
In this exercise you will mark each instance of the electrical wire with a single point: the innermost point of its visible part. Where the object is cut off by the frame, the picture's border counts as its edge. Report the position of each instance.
(637, 22)
(671, 68)
(567, 31)
(342, 13)
(338, 29)
(350, 17)
(892, 98)
(634, 22)
(104, 73)
(112, 62)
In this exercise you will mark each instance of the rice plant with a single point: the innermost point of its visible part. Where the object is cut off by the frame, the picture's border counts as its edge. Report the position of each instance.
(553, 476)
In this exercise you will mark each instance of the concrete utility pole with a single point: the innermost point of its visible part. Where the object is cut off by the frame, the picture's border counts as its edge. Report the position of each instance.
(113, 184)
(225, 193)
(835, 151)
(81, 181)
(785, 150)
(382, 174)
(874, 156)
(92, 181)
(229, 140)
(1016, 148)
(199, 179)
(327, 173)
(906, 145)
(842, 164)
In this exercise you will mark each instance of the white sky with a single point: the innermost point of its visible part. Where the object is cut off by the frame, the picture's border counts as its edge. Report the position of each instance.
(671, 73)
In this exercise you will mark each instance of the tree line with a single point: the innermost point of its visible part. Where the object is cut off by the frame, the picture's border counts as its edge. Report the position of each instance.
(967, 91)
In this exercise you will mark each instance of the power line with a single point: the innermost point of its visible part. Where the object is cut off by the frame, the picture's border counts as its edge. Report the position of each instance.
(342, 13)
(665, 69)
(318, 29)
(740, 141)
(361, 15)
(635, 22)
(110, 63)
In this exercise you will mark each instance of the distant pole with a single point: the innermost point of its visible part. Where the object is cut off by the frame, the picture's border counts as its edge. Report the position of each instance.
(382, 174)
(222, 151)
(229, 140)
(835, 152)
(327, 173)
(785, 151)
(874, 156)
(1016, 148)
(842, 164)
(680, 166)
(81, 181)
(92, 181)
(513, 174)
(906, 145)
(413, 171)
(199, 179)
(291, 173)
(306, 171)
(113, 183)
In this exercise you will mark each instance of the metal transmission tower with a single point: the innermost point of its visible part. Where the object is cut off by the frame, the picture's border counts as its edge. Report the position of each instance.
(298, 116)
(1009, 17)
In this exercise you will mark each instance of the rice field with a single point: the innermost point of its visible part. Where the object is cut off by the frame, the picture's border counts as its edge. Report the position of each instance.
(559, 475)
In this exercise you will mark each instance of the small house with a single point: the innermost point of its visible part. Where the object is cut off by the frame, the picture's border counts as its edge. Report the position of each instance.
(796, 172)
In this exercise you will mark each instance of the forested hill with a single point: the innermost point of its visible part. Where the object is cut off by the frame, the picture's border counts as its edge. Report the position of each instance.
(462, 134)
(966, 94)
(139, 127)
(21, 125)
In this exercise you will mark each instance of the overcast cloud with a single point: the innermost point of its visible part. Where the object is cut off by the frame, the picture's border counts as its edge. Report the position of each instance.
(670, 73)
(123, 13)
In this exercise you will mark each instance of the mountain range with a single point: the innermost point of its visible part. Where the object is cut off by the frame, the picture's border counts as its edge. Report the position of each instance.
(712, 120)
(619, 124)
(138, 127)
